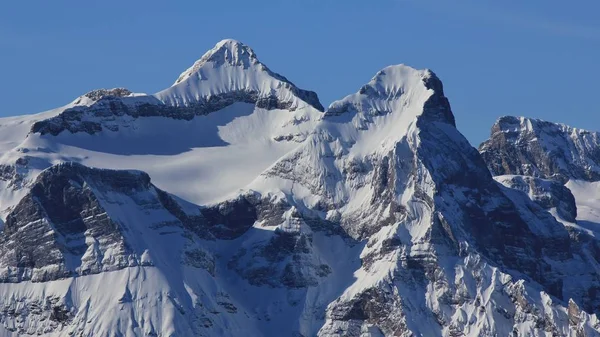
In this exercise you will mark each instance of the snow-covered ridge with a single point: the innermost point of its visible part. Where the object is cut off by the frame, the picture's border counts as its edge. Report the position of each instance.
(389, 167)
(397, 83)
(231, 66)
(227, 74)
(358, 134)
(527, 146)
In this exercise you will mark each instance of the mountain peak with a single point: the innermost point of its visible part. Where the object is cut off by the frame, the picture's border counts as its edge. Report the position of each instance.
(232, 71)
(528, 146)
(391, 79)
(228, 51)
(395, 87)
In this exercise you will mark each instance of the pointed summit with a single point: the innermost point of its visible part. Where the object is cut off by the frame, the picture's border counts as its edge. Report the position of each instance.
(228, 74)
(397, 88)
(228, 51)
(231, 71)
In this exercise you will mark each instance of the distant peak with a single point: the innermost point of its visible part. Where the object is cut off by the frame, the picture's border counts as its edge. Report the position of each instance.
(527, 124)
(394, 79)
(228, 51)
(231, 44)
(232, 52)
(535, 147)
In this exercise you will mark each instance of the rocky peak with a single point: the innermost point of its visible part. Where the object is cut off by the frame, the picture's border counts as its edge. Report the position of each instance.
(527, 146)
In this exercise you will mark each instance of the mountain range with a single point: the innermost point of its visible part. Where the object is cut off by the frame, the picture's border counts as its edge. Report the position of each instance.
(234, 204)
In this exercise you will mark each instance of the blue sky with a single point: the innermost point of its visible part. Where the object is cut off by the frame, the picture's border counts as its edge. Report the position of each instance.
(533, 58)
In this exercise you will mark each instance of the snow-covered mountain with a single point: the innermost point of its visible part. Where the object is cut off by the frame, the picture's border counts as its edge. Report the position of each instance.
(225, 120)
(534, 147)
(537, 151)
(556, 166)
(233, 204)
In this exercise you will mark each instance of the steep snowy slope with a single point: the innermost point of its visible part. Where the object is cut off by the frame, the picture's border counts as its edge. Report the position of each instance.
(587, 195)
(223, 122)
(78, 221)
(549, 194)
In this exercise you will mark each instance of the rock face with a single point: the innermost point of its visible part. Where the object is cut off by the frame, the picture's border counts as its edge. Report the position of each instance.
(381, 220)
(63, 226)
(533, 147)
(546, 193)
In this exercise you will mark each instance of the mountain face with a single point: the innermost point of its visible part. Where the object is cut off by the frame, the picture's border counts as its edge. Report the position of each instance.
(548, 194)
(556, 166)
(533, 147)
(229, 73)
(262, 214)
(226, 120)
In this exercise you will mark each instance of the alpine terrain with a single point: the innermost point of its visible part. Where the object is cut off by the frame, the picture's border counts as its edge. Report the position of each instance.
(234, 204)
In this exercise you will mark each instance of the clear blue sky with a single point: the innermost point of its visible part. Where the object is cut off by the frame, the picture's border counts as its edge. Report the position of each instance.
(534, 58)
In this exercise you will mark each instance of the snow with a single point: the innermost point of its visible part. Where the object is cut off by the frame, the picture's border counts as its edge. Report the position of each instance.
(587, 198)
(203, 160)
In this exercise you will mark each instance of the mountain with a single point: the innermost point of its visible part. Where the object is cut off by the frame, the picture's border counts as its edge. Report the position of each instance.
(226, 120)
(233, 204)
(548, 194)
(533, 147)
(556, 166)
(555, 160)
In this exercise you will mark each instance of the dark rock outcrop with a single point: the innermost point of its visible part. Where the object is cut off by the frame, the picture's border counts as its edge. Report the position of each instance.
(103, 113)
(62, 227)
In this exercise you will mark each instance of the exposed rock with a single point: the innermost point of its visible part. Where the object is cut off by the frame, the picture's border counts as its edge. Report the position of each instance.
(98, 94)
(64, 217)
(532, 147)
(546, 193)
